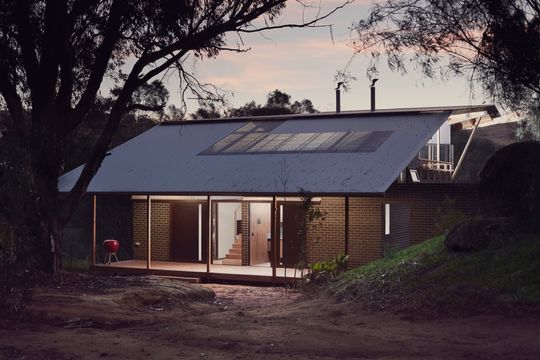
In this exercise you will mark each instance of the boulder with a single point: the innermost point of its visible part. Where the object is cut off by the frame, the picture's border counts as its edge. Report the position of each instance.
(476, 234)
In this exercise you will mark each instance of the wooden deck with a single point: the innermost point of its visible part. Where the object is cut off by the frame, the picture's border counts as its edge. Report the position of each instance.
(261, 274)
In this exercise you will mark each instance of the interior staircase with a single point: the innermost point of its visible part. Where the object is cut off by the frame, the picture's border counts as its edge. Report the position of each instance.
(234, 256)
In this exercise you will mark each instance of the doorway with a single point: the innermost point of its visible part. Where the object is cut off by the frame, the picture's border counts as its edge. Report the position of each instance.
(188, 232)
(260, 241)
(227, 234)
(291, 217)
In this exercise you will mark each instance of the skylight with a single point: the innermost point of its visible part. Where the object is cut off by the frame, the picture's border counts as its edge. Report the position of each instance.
(259, 139)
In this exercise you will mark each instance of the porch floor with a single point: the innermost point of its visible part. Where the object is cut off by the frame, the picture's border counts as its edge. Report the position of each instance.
(199, 269)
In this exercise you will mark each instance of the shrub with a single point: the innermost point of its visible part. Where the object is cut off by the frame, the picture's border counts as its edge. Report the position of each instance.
(477, 234)
(510, 185)
(323, 271)
(447, 216)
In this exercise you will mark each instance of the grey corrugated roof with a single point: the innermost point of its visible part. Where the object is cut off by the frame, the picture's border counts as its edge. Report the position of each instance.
(167, 159)
(490, 109)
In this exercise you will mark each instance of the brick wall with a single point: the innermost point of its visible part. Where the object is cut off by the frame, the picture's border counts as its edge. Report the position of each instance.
(427, 203)
(400, 228)
(160, 232)
(366, 219)
(365, 230)
(326, 238)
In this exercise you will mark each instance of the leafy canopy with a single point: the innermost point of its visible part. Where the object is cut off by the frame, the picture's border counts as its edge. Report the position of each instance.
(494, 42)
(56, 55)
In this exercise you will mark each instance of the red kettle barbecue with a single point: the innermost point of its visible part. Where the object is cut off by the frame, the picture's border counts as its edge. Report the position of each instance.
(111, 246)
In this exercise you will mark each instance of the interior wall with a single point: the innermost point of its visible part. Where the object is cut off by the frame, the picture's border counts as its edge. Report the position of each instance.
(228, 213)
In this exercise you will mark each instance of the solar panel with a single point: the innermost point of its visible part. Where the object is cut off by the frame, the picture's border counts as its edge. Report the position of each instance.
(259, 139)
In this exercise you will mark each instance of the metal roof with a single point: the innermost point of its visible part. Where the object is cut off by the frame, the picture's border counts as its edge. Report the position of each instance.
(489, 109)
(174, 158)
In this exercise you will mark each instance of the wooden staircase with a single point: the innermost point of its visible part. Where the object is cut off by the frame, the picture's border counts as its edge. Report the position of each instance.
(234, 256)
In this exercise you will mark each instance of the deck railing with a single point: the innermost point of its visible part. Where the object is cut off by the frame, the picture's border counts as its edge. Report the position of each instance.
(429, 152)
(435, 165)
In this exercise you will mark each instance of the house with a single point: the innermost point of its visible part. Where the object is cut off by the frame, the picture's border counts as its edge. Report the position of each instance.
(222, 199)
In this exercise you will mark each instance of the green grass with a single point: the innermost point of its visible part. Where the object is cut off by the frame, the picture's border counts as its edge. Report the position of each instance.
(427, 277)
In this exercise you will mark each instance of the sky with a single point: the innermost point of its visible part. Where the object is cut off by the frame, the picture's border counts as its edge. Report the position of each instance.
(303, 63)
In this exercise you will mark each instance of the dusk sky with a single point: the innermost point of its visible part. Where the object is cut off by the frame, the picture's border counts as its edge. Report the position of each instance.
(303, 63)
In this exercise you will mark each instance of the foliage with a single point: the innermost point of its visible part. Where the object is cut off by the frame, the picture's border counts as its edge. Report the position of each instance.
(426, 279)
(55, 56)
(207, 111)
(509, 185)
(312, 217)
(79, 147)
(529, 127)
(447, 216)
(16, 284)
(323, 271)
(76, 265)
(277, 103)
(496, 43)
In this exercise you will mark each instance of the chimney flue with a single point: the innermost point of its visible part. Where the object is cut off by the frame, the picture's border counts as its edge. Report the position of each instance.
(338, 96)
(372, 88)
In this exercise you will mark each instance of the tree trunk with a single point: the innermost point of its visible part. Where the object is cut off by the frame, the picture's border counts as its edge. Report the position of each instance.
(51, 237)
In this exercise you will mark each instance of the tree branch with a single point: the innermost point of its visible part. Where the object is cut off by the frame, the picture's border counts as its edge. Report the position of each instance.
(103, 54)
(25, 36)
(143, 107)
(14, 103)
(52, 49)
(311, 24)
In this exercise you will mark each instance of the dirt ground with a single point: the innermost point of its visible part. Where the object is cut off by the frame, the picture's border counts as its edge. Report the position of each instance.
(166, 319)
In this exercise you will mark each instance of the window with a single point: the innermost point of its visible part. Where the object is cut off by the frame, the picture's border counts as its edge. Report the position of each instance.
(260, 139)
(386, 219)
(414, 176)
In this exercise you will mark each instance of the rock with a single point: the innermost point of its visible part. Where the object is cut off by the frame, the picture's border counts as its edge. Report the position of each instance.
(476, 234)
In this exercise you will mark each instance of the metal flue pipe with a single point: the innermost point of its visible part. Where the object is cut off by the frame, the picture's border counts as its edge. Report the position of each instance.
(338, 96)
(372, 88)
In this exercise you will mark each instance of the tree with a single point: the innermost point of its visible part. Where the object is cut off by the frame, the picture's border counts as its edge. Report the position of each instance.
(207, 111)
(529, 127)
(277, 103)
(509, 188)
(55, 55)
(493, 42)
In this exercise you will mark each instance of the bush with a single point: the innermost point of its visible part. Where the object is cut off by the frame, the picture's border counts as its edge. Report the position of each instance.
(447, 216)
(323, 271)
(477, 234)
(510, 185)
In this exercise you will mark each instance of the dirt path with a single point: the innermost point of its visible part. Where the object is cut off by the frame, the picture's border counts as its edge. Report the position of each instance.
(267, 323)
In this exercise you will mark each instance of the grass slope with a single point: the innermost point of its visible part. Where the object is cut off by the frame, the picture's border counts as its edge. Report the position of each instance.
(427, 278)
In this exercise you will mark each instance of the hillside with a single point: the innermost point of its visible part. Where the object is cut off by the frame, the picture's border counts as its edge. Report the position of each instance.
(426, 278)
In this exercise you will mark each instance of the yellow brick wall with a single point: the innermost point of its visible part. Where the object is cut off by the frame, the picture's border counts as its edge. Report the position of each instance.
(366, 227)
(326, 238)
(160, 232)
(365, 230)
(426, 200)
